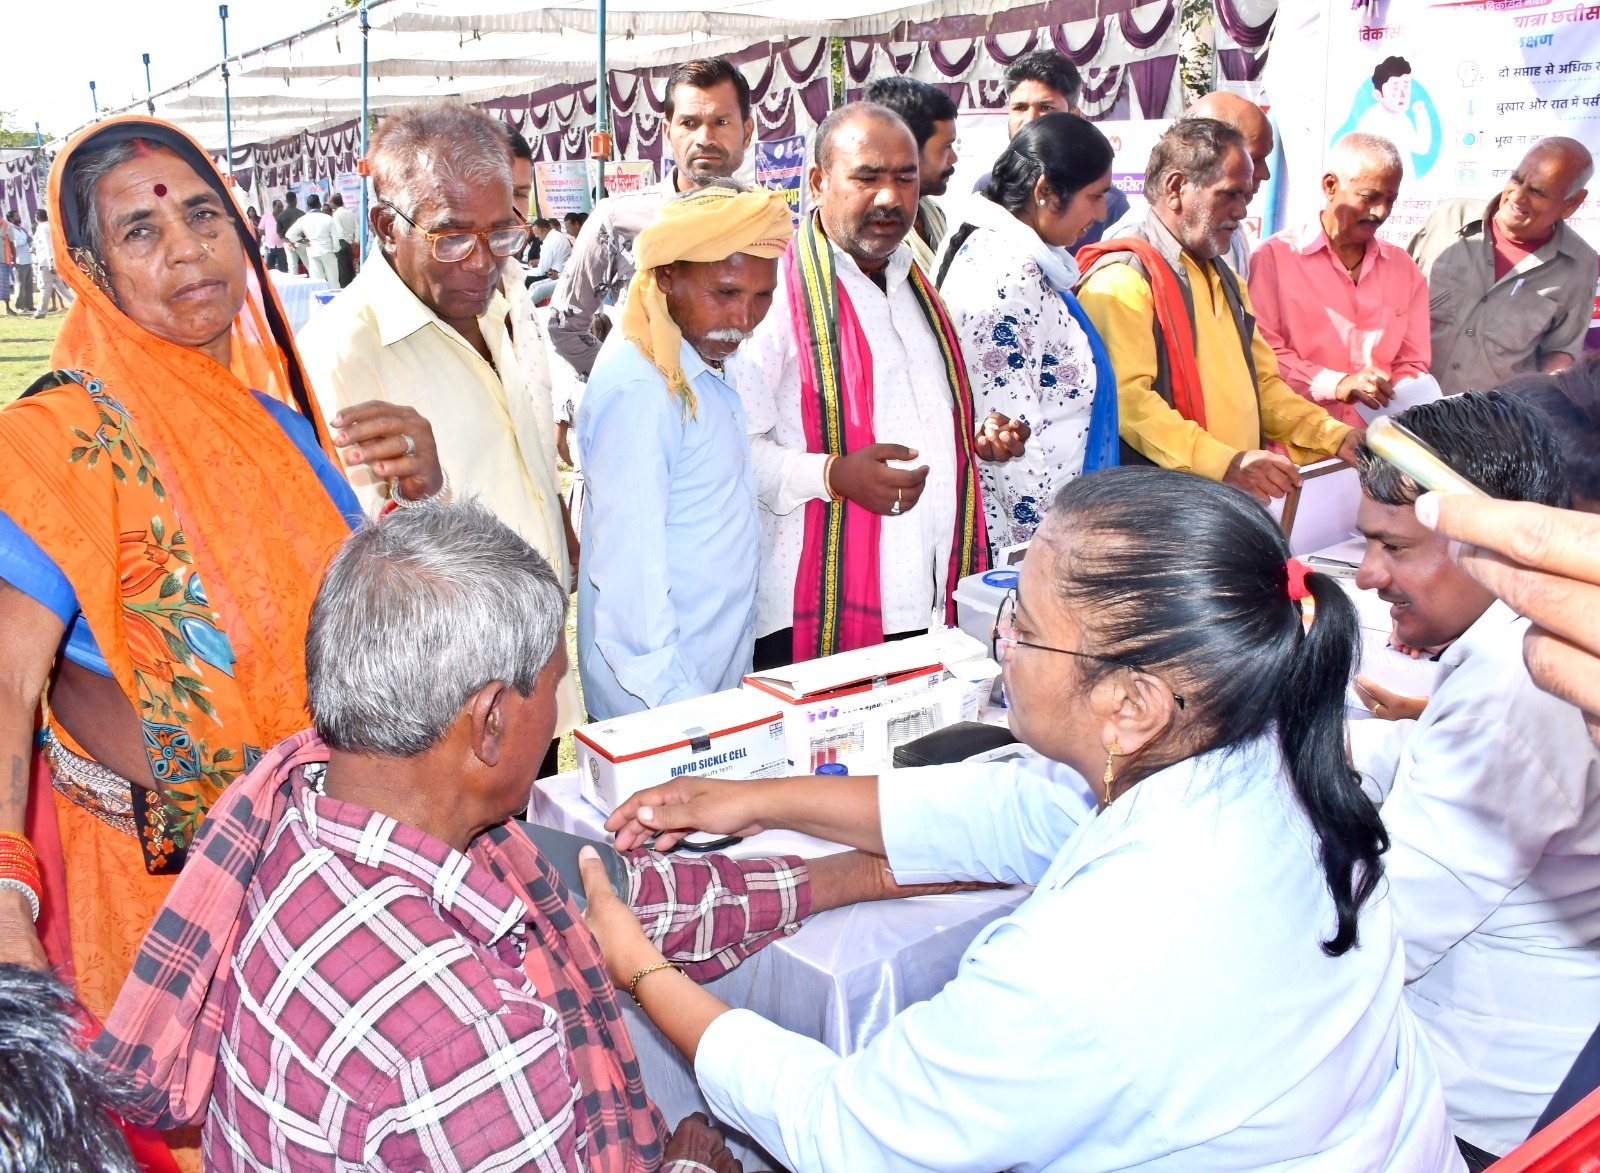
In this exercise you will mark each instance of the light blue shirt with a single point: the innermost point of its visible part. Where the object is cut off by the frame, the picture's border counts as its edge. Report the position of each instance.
(1161, 1001)
(671, 544)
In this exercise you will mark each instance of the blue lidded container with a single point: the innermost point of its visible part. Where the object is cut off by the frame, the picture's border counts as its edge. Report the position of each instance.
(833, 768)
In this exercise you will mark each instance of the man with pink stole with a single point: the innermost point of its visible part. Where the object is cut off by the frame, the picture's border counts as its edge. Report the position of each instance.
(860, 416)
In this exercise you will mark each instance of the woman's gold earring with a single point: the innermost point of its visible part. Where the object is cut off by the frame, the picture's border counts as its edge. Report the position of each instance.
(89, 265)
(1110, 776)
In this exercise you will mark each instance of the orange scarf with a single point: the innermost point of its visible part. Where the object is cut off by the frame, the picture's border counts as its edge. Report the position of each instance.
(1177, 331)
(192, 530)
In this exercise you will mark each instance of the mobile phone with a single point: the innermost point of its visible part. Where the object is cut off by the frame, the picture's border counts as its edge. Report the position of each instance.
(1414, 458)
(560, 850)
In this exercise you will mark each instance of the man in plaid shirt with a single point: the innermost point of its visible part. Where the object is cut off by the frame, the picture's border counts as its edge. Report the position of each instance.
(366, 964)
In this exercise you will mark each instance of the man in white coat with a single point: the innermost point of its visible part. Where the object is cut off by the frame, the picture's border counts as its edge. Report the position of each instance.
(1491, 796)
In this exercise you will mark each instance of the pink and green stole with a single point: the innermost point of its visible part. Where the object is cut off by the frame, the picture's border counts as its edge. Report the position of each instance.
(837, 595)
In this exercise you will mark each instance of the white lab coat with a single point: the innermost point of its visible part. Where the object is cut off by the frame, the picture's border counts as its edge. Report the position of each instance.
(1492, 800)
(1161, 1001)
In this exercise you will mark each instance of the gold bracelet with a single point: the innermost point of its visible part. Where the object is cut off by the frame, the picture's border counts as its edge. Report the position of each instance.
(633, 986)
(827, 478)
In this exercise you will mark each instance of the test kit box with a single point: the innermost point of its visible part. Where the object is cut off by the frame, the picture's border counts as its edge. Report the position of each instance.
(732, 734)
(854, 708)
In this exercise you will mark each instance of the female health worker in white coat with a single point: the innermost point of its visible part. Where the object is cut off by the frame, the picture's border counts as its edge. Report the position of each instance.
(1207, 974)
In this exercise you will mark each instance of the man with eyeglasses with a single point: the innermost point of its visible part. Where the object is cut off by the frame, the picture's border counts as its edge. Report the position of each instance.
(426, 324)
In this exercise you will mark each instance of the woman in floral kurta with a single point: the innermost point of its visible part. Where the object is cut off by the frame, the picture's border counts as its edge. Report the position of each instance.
(1002, 275)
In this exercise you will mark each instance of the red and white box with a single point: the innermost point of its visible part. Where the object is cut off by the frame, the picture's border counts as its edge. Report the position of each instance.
(854, 708)
(732, 734)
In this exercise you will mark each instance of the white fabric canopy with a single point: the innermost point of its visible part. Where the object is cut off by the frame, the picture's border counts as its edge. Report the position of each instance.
(421, 49)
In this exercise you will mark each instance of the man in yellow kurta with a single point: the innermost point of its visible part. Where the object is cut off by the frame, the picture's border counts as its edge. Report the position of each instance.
(1198, 388)
(426, 324)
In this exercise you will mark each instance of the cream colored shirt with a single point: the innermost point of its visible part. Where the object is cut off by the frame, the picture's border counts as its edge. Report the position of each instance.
(377, 340)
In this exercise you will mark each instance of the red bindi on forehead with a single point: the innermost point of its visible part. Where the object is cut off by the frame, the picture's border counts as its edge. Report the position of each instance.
(161, 189)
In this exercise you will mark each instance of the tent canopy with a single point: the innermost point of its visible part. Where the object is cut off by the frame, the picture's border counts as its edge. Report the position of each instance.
(423, 49)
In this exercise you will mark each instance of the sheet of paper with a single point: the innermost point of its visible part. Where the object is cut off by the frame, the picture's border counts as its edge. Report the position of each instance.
(1330, 494)
(1407, 393)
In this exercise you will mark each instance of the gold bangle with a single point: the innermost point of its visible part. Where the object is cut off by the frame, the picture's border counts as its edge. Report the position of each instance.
(827, 478)
(633, 986)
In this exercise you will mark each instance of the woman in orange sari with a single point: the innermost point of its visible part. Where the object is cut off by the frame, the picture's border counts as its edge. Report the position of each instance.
(168, 499)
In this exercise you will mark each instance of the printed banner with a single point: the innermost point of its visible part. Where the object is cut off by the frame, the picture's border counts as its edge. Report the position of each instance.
(562, 187)
(349, 186)
(781, 165)
(623, 177)
(317, 187)
(1463, 89)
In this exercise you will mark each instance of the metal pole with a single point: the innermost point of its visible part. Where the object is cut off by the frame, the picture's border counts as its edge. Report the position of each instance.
(227, 95)
(38, 160)
(362, 170)
(149, 95)
(602, 99)
(95, 98)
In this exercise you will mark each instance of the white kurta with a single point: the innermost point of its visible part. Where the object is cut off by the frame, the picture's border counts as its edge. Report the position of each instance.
(492, 423)
(1492, 800)
(911, 406)
(1161, 1001)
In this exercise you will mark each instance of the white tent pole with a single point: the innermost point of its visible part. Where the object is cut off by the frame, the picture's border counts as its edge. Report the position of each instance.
(602, 99)
(365, 28)
(227, 97)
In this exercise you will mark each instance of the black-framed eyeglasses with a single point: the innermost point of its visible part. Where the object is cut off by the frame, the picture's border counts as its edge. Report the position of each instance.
(1003, 638)
(452, 247)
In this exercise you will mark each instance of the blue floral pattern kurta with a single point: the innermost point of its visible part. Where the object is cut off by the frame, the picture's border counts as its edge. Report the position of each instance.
(1027, 358)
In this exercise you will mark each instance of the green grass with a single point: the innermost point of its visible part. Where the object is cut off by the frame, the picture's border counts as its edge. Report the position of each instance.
(24, 351)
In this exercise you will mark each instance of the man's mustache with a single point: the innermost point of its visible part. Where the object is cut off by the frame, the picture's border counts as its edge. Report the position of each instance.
(729, 334)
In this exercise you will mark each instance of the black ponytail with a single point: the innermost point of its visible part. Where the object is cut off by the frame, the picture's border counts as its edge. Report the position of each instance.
(1066, 151)
(1187, 578)
(1311, 728)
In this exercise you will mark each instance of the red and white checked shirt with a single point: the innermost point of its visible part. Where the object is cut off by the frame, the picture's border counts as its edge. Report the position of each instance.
(378, 1014)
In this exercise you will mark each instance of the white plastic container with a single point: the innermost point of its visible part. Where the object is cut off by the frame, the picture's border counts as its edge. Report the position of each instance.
(978, 598)
(732, 734)
(855, 707)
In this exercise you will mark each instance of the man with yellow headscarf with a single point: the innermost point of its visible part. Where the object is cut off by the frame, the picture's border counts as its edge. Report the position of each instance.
(667, 587)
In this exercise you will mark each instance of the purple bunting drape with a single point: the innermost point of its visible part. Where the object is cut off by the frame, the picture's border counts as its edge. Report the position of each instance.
(1147, 40)
(1152, 82)
(1245, 35)
(1240, 64)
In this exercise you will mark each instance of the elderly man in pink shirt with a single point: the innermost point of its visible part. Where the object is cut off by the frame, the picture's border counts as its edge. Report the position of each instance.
(1346, 313)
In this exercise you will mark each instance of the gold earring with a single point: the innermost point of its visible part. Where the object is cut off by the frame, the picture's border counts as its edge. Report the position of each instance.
(89, 265)
(1110, 776)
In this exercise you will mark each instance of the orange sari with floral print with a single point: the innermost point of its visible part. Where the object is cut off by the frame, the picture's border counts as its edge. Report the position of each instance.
(194, 535)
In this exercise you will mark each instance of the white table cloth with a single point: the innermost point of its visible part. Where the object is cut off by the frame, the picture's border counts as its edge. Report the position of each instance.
(840, 979)
(297, 294)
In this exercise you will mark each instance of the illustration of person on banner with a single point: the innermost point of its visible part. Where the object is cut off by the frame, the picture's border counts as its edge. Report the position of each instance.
(1397, 107)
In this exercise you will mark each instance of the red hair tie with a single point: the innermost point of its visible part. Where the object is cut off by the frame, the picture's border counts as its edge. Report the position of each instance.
(1297, 579)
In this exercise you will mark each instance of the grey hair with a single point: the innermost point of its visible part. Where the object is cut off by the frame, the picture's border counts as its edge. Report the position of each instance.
(1575, 151)
(418, 612)
(1195, 148)
(54, 1093)
(416, 152)
(1356, 151)
(89, 170)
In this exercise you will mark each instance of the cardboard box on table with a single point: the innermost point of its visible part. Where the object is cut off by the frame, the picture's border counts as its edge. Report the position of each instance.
(732, 734)
(856, 707)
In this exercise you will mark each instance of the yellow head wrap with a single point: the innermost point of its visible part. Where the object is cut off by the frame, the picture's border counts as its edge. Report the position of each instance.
(709, 225)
